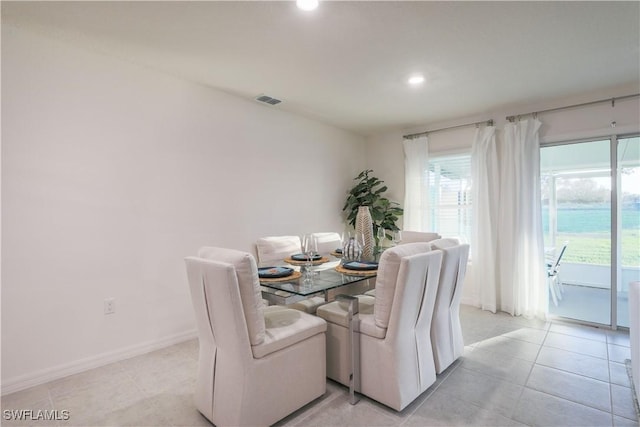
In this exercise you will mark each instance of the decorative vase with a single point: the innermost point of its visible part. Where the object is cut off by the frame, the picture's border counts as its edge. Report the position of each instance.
(352, 251)
(364, 226)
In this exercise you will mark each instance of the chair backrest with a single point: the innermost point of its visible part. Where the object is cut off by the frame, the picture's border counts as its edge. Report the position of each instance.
(454, 268)
(442, 243)
(556, 265)
(415, 291)
(277, 248)
(387, 277)
(418, 236)
(446, 333)
(328, 242)
(219, 317)
(412, 311)
(245, 270)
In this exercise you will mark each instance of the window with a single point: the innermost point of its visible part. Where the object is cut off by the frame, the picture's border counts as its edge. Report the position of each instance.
(450, 201)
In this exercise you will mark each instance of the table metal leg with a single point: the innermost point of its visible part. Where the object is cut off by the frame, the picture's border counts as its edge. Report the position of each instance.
(354, 347)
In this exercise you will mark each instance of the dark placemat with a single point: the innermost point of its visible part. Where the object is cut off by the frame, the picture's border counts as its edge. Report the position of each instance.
(341, 269)
(294, 276)
(322, 260)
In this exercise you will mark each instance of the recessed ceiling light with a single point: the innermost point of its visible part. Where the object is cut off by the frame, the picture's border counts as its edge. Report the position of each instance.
(416, 80)
(307, 4)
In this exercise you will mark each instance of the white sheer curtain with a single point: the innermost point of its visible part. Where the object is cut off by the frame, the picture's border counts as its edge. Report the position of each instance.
(508, 248)
(416, 197)
(485, 178)
(521, 276)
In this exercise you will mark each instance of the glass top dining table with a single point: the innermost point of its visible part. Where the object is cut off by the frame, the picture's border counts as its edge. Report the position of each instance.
(326, 278)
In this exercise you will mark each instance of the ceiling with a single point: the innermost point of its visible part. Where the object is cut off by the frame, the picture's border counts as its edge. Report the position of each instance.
(347, 62)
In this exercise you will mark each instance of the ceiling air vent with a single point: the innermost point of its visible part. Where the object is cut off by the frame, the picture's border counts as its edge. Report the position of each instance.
(268, 100)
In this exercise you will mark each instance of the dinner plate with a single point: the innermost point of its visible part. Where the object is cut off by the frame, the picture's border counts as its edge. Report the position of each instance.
(303, 257)
(360, 265)
(274, 272)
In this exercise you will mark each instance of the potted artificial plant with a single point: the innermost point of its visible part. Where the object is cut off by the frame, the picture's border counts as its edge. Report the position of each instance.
(369, 191)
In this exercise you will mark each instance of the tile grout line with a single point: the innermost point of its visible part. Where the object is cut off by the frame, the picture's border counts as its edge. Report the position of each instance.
(53, 407)
(317, 408)
(582, 353)
(606, 339)
(458, 365)
(431, 393)
(611, 411)
(127, 373)
(610, 388)
(558, 397)
(526, 381)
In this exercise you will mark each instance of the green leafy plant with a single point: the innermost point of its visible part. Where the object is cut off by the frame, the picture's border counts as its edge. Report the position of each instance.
(369, 191)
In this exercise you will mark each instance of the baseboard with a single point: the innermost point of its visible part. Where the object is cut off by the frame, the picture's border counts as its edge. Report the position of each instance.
(472, 301)
(22, 382)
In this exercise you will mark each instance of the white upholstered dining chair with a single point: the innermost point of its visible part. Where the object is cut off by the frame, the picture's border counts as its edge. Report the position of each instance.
(415, 237)
(392, 329)
(328, 242)
(277, 248)
(446, 332)
(249, 352)
(411, 237)
(418, 236)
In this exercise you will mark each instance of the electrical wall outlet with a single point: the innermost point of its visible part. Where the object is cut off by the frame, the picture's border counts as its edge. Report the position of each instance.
(109, 306)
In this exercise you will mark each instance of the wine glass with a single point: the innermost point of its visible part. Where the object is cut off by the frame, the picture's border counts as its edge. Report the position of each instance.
(361, 242)
(310, 249)
(303, 248)
(396, 237)
(305, 269)
(347, 234)
(381, 234)
(303, 241)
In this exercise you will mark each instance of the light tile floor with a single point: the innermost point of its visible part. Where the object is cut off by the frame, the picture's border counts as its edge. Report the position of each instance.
(514, 372)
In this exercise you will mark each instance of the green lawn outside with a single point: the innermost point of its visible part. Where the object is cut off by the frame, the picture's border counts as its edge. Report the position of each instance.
(595, 249)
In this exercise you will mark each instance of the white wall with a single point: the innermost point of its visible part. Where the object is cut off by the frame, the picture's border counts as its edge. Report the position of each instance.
(385, 154)
(112, 174)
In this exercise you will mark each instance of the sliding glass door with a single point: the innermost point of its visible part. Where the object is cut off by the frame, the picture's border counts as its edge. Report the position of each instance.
(576, 199)
(596, 214)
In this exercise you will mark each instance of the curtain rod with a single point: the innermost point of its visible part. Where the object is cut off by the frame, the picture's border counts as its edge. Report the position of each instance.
(584, 104)
(417, 135)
